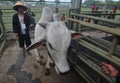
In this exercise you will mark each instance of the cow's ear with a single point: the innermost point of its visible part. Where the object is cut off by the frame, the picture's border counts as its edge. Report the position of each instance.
(76, 36)
(44, 25)
(35, 45)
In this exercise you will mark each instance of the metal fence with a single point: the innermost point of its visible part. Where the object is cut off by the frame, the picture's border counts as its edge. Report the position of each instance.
(36, 7)
(88, 44)
(88, 52)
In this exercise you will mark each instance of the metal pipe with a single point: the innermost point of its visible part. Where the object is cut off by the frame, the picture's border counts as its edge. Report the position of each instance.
(100, 52)
(95, 68)
(2, 24)
(80, 6)
(97, 18)
(92, 65)
(1, 35)
(82, 72)
(3, 43)
(98, 13)
(98, 42)
(98, 27)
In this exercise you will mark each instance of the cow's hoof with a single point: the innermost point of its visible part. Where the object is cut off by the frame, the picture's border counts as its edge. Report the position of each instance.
(47, 72)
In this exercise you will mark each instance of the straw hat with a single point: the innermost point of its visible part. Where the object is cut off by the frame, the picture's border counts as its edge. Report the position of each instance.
(19, 4)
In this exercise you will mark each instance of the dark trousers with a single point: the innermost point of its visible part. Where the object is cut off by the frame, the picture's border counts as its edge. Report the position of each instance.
(24, 39)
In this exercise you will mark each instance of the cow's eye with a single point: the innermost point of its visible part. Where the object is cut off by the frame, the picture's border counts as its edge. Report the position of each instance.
(51, 46)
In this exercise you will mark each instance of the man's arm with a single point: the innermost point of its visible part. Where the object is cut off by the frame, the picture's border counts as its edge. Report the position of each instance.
(111, 71)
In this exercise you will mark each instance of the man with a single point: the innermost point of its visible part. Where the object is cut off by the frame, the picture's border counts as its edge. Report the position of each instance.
(21, 23)
(111, 71)
(93, 7)
(114, 10)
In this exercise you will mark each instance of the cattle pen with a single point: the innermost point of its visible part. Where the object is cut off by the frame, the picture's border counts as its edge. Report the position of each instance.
(100, 43)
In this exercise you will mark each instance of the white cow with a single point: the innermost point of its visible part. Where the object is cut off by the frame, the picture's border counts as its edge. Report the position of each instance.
(56, 37)
(58, 40)
(40, 34)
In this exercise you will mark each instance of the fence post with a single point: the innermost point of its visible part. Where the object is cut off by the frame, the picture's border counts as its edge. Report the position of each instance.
(69, 22)
(2, 24)
(114, 44)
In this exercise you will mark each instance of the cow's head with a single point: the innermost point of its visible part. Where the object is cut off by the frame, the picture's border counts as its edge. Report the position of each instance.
(58, 39)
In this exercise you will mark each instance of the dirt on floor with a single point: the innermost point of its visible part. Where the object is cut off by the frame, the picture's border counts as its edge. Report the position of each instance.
(30, 66)
(9, 57)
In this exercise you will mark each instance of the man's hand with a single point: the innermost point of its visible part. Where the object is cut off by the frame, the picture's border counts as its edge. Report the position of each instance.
(109, 69)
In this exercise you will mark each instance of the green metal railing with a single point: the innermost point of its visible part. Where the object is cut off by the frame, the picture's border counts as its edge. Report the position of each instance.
(107, 53)
(97, 18)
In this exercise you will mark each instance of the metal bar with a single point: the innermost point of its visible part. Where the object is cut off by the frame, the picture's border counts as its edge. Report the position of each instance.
(1, 35)
(96, 68)
(97, 43)
(80, 28)
(98, 62)
(99, 13)
(69, 22)
(100, 44)
(101, 52)
(82, 72)
(97, 18)
(98, 27)
(93, 66)
(79, 10)
(2, 24)
(114, 44)
(84, 75)
(1, 48)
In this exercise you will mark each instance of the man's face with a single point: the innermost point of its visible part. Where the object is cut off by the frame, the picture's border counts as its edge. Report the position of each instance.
(20, 10)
